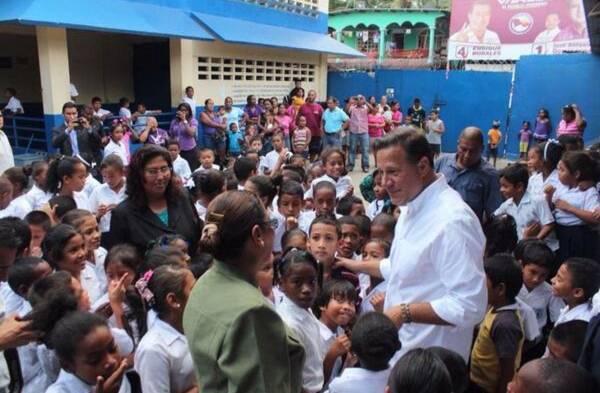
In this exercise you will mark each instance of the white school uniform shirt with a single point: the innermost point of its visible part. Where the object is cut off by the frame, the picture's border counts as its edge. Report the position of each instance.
(91, 283)
(104, 195)
(375, 208)
(117, 148)
(341, 186)
(327, 339)
(306, 329)
(191, 102)
(365, 305)
(82, 200)
(203, 169)
(531, 329)
(543, 303)
(37, 197)
(18, 207)
(102, 112)
(304, 221)
(69, 383)
(531, 209)
(7, 159)
(437, 258)
(14, 105)
(585, 200)
(583, 312)
(125, 112)
(90, 185)
(163, 360)
(270, 160)
(182, 168)
(307, 217)
(360, 380)
(201, 210)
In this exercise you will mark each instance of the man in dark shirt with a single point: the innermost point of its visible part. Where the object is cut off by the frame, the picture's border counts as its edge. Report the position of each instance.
(476, 181)
(418, 114)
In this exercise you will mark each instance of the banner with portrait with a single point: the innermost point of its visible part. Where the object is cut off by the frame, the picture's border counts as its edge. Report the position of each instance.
(508, 29)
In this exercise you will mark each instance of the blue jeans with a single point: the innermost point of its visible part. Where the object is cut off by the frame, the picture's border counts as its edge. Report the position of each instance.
(363, 140)
(333, 139)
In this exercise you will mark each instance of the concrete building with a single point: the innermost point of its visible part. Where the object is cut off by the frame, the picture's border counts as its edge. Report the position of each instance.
(151, 50)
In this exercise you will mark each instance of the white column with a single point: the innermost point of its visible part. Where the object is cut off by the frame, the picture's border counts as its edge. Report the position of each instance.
(431, 44)
(182, 68)
(54, 67)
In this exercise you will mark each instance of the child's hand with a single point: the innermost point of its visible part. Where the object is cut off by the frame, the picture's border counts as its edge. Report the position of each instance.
(112, 384)
(549, 190)
(562, 205)
(341, 345)
(377, 301)
(102, 210)
(532, 230)
(116, 290)
(291, 223)
(596, 214)
(350, 190)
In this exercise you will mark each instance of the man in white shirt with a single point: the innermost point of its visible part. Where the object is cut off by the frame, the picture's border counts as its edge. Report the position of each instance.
(436, 290)
(475, 31)
(7, 159)
(188, 98)
(14, 104)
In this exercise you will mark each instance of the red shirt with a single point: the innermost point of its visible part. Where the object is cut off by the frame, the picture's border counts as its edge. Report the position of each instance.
(313, 113)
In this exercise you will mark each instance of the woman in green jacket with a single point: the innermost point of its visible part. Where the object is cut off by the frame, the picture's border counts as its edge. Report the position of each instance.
(238, 342)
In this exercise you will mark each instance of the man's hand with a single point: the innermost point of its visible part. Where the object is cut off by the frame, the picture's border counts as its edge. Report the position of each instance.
(532, 230)
(15, 332)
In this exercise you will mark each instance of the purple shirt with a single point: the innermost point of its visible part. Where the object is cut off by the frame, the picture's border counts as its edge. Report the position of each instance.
(525, 134)
(215, 118)
(158, 138)
(253, 111)
(542, 130)
(179, 132)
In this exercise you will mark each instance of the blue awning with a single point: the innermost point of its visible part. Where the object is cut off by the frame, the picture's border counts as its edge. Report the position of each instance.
(105, 15)
(245, 32)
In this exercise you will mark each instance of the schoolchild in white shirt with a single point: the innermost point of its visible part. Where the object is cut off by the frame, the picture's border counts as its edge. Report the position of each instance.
(577, 281)
(334, 161)
(336, 308)
(106, 197)
(207, 160)
(206, 186)
(374, 249)
(162, 359)
(117, 144)
(289, 213)
(374, 341)
(298, 271)
(19, 206)
(180, 166)
(531, 213)
(323, 201)
(273, 158)
(38, 195)
(381, 196)
(67, 177)
(542, 163)
(574, 208)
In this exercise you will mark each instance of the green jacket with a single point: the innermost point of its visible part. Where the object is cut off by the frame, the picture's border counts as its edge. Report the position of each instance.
(238, 342)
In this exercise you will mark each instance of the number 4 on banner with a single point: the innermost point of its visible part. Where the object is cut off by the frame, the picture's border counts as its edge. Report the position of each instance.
(462, 51)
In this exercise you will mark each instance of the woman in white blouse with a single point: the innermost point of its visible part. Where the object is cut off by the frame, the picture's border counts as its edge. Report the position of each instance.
(162, 358)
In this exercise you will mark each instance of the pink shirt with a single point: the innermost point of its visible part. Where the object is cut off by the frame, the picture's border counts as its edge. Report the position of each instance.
(397, 116)
(284, 122)
(359, 119)
(565, 128)
(300, 138)
(374, 131)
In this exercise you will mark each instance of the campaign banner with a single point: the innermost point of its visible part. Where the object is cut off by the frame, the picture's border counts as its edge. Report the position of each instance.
(508, 29)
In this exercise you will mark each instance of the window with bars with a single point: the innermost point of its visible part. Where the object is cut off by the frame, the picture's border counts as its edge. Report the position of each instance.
(238, 69)
(303, 7)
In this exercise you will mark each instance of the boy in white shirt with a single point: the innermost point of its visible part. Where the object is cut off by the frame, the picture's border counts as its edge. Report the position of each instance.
(532, 214)
(272, 157)
(374, 341)
(576, 282)
(14, 104)
(207, 160)
(180, 166)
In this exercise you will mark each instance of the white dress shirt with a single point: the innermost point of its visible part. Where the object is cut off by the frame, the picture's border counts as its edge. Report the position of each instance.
(117, 148)
(14, 105)
(163, 360)
(82, 200)
(37, 197)
(270, 160)
(375, 208)
(327, 339)
(583, 312)
(306, 329)
(102, 112)
(182, 168)
(437, 258)
(7, 159)
(203, 169)
(91, 283)
(104, 195)
(69, 383)
(341, 186)
(360, 380)
(365, 305)
(531, 329)
(18, 207)
(543, 303)
(586, 200)
(304, 221)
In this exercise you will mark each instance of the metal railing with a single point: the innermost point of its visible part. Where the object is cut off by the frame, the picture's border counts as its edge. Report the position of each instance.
(26, 134)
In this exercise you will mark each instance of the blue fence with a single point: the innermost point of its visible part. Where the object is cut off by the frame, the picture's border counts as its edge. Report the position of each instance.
(477, 98)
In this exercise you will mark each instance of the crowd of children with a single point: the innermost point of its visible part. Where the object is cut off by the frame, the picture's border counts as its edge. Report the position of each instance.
(112, 320)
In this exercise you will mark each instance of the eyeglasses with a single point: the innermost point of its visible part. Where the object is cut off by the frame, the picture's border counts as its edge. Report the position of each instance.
(273, 223)
(155, 171)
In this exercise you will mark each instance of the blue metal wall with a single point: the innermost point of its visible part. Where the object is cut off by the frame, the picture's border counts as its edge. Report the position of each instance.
(465, 98)
(477, 98)
(552, 82)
